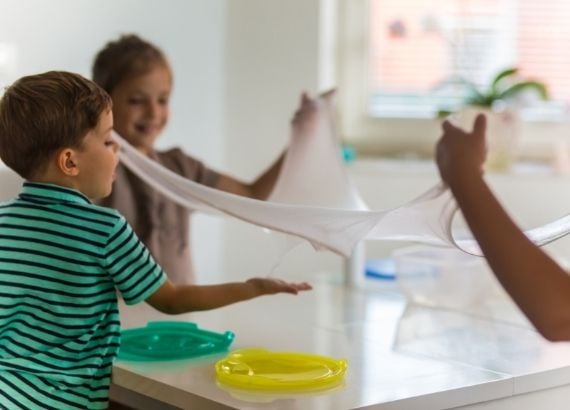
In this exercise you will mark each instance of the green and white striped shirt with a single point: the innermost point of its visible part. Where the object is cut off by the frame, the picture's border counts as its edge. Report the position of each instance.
(61, 259)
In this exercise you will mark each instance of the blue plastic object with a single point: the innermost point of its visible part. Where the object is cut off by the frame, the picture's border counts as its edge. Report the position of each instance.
(348, 154)
(382, 269)
(171, 340)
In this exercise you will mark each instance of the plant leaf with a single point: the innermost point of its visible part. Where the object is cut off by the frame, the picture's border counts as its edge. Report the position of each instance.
(501, 76)
(478, 98)
(443, 113)
(516, 89)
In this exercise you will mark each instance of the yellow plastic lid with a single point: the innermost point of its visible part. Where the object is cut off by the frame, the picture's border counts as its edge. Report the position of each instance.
(264, 370)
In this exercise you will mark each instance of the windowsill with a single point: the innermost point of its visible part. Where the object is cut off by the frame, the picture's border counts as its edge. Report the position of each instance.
(419, 166)
(536, 141)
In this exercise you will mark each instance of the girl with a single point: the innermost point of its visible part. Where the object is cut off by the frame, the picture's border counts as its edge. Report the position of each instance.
(138, 77)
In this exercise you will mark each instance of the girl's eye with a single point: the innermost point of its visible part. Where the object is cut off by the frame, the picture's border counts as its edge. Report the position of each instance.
(109, 142)
(135, 101)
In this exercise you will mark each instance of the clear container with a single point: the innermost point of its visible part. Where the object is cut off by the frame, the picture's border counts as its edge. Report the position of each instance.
(443, 277)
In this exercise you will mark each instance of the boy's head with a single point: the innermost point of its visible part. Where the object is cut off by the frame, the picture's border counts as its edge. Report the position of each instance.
(137, 76)
(41, 114)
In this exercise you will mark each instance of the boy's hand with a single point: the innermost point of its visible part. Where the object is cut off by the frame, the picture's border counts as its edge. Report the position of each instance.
(267, 286)
(461, 154)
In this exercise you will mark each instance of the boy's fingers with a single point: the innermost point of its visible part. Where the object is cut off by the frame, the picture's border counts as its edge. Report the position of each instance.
(302, 286)
(305, 286)
(286, 288)
(289, 287)
(296, 287)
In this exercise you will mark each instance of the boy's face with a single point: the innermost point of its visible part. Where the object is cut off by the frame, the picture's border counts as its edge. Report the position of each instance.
(98, 159)
(140, 107)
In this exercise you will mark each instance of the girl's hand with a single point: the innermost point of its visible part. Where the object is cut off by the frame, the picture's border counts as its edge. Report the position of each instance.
(461, 154)
(306, 117)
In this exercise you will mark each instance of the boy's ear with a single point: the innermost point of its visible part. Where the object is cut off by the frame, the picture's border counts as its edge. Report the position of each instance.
(67, 162)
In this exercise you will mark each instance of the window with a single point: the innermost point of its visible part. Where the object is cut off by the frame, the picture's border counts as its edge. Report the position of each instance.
(402, 61)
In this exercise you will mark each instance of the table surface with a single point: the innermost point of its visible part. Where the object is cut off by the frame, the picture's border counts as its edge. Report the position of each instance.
(400, 356)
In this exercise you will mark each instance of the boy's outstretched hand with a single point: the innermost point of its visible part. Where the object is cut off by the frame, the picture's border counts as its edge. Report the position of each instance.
(461, 154)
(268, 286)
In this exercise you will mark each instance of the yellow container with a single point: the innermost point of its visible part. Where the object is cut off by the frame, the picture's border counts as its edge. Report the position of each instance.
(263, 370)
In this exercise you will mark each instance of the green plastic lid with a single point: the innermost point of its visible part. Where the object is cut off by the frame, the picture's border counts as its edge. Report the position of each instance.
(171, 340)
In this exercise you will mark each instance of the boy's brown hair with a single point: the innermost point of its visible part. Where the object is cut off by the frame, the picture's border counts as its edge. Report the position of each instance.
(42, 113)
(129, 56)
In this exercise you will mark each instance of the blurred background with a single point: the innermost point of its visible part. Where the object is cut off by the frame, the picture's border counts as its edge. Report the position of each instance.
(240, 66)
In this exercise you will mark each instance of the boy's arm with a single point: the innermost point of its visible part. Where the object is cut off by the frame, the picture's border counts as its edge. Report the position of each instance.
(537, 284)
(175, 299)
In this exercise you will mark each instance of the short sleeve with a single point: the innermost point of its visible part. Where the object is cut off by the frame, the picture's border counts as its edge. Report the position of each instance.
(189, 167)
(129, 263)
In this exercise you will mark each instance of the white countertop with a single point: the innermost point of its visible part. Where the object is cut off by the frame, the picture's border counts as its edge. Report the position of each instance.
(415, 358)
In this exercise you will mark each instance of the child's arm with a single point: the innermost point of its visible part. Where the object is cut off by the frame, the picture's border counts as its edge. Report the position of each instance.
(537, 284)
(173, 299)
(305, 116)
(259, 189)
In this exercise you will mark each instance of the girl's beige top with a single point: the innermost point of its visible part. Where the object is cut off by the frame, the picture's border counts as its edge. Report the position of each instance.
(162, 225)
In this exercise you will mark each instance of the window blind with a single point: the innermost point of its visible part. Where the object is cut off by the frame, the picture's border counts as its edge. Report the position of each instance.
(420, 51)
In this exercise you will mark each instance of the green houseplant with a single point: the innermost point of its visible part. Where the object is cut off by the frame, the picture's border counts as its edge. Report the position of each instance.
(504, 88)
(500, 101)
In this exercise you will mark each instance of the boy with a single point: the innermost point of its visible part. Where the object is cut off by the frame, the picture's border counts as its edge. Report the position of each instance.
(62, 257)
(539, 286)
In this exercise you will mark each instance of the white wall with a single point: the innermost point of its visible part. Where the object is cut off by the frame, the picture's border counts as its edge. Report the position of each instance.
(66, 34)
(272, 55)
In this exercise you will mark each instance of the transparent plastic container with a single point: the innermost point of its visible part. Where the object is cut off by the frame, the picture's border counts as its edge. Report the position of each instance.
(443, 277)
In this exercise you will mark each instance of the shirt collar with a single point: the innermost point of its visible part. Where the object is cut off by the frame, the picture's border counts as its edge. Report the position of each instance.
(52, 193)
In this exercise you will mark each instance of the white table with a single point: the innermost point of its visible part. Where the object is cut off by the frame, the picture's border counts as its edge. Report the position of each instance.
(458, 361)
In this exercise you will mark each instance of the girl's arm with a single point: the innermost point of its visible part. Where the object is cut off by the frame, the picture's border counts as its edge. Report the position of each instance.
(303, 119)
(259, 189)
(539, 286)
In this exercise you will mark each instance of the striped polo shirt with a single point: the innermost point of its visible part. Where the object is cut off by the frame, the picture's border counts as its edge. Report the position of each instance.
(61, 260)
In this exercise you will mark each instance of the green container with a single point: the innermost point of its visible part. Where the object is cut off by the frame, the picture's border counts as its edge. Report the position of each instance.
(171, 340)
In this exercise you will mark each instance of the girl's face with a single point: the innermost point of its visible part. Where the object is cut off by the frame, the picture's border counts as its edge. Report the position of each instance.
(140, 107)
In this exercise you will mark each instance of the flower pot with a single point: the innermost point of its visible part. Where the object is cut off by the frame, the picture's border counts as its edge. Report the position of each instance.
(503, 130)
